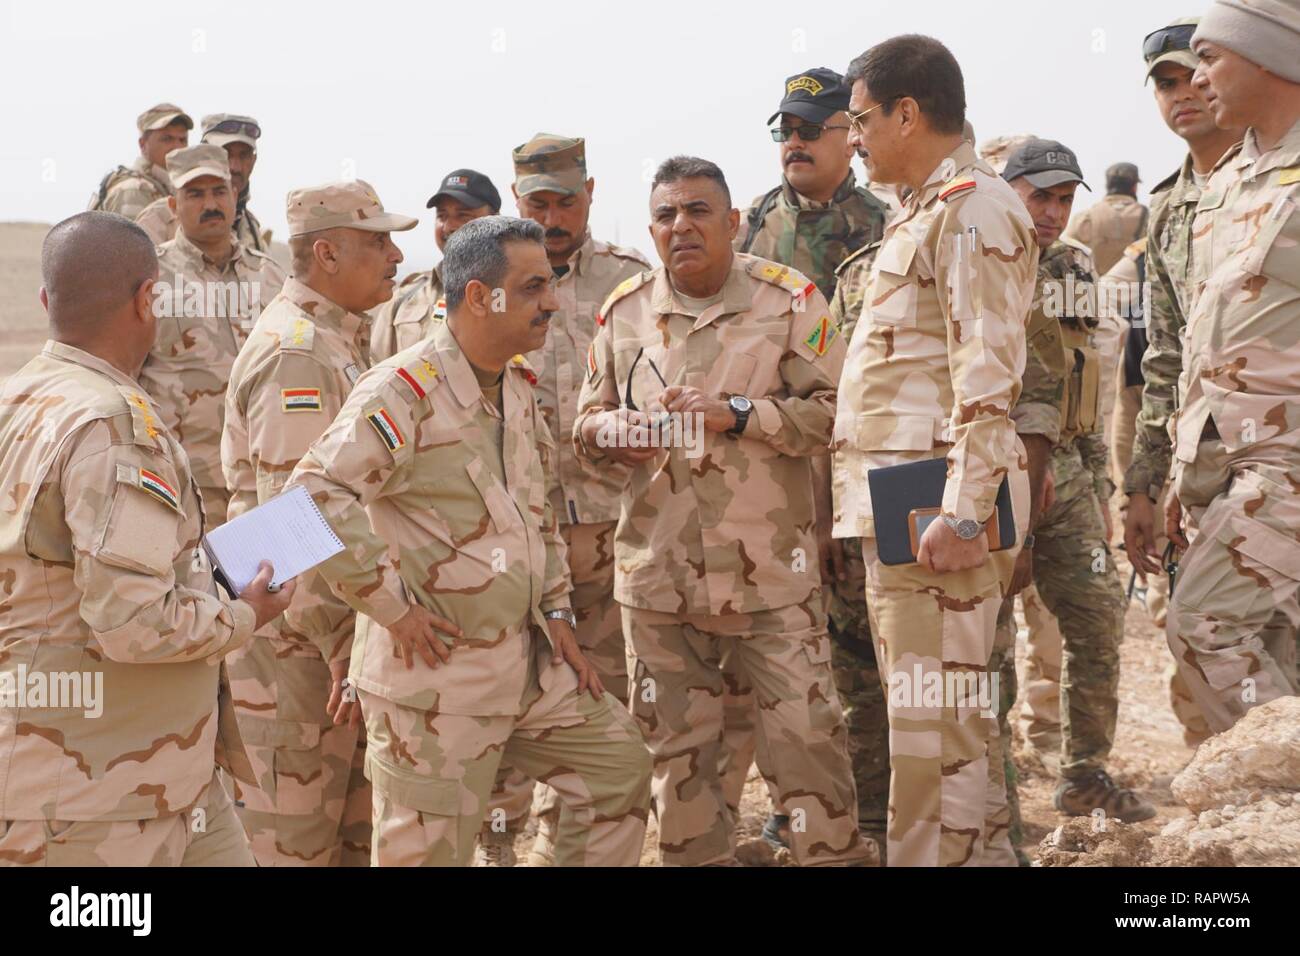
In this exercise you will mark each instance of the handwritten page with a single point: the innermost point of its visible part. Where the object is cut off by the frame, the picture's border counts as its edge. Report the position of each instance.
(289, 531)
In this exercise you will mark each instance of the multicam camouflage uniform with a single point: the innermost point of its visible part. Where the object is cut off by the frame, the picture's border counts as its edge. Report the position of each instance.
(101, 577)
(718, 553)
(1235, 467)
(311, 805)
(202, 324)
(407, 317)
(456, 492)
(934, 370)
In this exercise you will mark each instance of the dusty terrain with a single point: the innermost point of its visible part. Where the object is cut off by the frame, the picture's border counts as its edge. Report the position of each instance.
(1149, 749)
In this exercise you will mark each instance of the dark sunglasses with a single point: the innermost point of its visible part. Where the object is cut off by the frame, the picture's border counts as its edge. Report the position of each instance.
(1167, 39)
(806, 133)
(237, 126)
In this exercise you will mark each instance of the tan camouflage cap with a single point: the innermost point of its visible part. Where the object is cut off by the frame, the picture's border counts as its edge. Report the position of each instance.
(552, 163)
(222, 129)
(164, 114)
(998, 150)
(186, 165)
(1173, 44)
(352, 204)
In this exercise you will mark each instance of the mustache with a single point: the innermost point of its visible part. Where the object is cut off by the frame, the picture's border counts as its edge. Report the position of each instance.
(542, 319)
(797, 154)
(555, 232)
(212, 214)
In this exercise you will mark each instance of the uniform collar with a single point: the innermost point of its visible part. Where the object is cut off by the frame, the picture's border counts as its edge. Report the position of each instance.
(960, 160)
(323, 312)
(1285, 153)
(70, 353)
(455, 366)
(580, 258)
(183, 243)
(736, 295)
(843, 192)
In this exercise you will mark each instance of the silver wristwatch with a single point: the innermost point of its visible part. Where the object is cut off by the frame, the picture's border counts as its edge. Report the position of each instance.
(968, 529)
(563, 614)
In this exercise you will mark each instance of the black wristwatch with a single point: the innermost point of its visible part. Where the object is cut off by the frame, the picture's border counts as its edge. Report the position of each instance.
(740, 407)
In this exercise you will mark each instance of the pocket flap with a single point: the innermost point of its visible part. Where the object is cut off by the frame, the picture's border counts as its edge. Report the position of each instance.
(281, 734)
(413, 791)
(896, 256)
(895, 433)
(498, 503)
(1259, 542)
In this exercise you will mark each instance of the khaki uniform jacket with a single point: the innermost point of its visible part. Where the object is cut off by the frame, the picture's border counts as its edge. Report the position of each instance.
(731, 531)
(407, 317)
(205, 313)
(102, 579)
(440, 500)
(1109, 227)
(936, 360)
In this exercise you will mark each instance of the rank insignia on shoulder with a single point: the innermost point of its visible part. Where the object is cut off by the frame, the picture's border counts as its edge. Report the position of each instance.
(1288, 176)
(388, 431)
(353, 372)
(417, 376)
(955, 186)
(159, 488)
(819, 340)
(529, 374)
(804, 292)
(301, 336)
(300, 399)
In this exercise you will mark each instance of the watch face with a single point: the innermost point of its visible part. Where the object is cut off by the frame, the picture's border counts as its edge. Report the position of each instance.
(740, 403)
(968, 529)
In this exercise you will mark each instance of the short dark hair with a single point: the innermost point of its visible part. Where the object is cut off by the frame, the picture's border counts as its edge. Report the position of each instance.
(91, 264)
(477, 250)
(917, 66)
(690, 167)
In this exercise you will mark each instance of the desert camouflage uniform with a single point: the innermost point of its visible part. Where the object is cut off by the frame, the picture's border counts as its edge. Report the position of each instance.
(456, 493)
(719, 553)
(101, 574)
(1236, 468)
(810, 236)
(1108, 227)
(132, 188)
(585, 498)
(408, 316)
(1173, 207)
(189, 366)
(158, 220)
(311, 805)
(934, 370)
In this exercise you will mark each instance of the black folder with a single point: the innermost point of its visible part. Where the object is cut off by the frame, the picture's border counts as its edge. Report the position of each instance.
(899, 490)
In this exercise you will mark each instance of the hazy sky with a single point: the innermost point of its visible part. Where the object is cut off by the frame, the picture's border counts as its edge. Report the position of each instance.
(401, 93)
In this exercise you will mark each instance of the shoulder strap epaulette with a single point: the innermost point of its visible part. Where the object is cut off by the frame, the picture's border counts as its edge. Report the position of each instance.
(146, 427)
(298, 334)
(858, 253)
(520, 365)
(956, 187)
(622, 290)
(416, 379)
(795, 282)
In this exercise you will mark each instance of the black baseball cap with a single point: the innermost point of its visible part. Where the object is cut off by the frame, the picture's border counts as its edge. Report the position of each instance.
(470, 187)
(1045, 163)
(814, 95)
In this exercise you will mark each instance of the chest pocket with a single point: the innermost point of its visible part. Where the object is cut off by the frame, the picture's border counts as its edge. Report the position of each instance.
(500, 508)
(141, 532)
(891, 296)
(1279, 246)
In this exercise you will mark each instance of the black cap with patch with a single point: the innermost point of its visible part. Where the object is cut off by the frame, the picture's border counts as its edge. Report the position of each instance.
(1045, 163)
(814, 96)
(469, 187)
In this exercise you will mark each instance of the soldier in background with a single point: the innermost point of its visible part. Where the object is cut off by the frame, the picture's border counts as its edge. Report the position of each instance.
(913, 389)
(1107, 228)
(212, 288)
(463, 196)
(238, 135)
(1185, 110)
(105, 577)
(127, 190)
(552, 188)
(1236, 451)
(816, 218)
(435, 476)
(716, 546)
(311, 805)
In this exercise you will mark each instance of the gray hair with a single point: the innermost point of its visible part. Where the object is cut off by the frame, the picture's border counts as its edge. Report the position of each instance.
(676, 168)
(477, 250)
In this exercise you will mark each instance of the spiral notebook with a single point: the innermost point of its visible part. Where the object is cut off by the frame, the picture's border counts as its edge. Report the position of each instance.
(289, 531)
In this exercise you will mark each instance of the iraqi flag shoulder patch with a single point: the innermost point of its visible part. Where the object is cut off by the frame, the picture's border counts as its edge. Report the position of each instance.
(300, 399)
(386, 428)
(158, 487)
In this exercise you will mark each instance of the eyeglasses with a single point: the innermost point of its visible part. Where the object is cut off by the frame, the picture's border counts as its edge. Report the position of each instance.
(807, 132)
(855, 119)
(1167, 39)
(237, 126)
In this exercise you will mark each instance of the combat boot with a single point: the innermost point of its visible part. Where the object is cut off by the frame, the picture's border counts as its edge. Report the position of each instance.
(1080, 796)
(543, 849)
(496, 852)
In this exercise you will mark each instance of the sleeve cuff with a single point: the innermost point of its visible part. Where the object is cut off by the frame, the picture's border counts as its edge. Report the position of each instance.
(769, 418)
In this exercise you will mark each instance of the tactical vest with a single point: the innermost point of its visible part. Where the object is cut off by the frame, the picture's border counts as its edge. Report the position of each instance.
(1081, 407)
